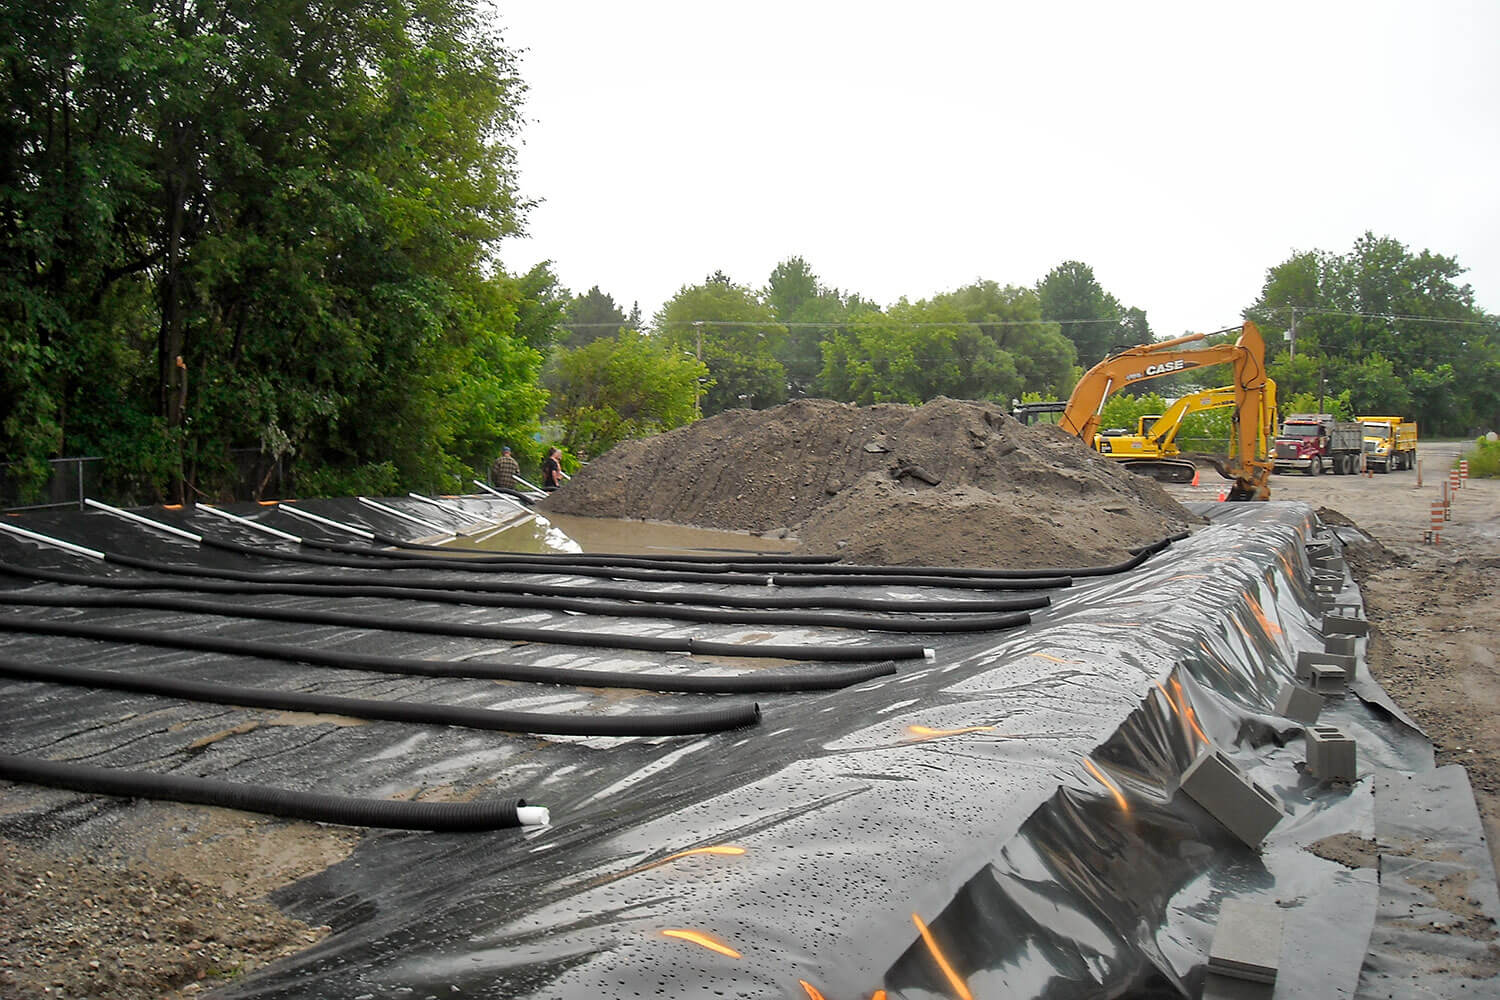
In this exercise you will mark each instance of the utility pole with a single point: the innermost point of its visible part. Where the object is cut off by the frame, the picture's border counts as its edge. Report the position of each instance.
(1291, 336)
(698, 389)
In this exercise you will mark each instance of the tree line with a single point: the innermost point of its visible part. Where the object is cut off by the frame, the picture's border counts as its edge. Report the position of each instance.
(243, 238)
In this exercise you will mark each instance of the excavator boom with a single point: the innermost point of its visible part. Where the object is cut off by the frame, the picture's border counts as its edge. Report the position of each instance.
(1253, 397)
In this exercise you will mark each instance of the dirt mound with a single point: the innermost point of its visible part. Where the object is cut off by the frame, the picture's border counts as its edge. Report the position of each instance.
(947, 483)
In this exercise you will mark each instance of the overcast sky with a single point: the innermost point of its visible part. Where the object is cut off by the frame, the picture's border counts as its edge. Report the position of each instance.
(904, 149)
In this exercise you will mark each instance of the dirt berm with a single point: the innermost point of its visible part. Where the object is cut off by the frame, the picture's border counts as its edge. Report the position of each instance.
(950, 482)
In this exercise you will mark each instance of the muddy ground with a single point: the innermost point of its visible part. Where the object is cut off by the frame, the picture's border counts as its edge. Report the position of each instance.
(169, 901)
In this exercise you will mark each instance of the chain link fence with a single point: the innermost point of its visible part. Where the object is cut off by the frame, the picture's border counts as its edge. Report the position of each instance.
(70, 481)
(258, 476)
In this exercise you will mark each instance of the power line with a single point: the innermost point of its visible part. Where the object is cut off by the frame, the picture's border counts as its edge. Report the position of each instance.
(1314, 310)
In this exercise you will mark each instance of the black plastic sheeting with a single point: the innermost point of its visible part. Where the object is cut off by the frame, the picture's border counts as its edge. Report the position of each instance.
(1003, 820)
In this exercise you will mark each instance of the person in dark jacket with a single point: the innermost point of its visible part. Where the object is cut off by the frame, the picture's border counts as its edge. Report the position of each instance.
(552, 473)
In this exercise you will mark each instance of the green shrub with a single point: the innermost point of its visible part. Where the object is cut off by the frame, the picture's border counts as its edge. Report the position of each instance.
(375, 479)
(1484, 459)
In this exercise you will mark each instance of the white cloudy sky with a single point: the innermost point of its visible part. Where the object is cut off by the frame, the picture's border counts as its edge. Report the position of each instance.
(906, 149)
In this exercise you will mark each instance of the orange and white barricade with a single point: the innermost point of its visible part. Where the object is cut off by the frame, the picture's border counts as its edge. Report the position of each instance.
(1435, 525)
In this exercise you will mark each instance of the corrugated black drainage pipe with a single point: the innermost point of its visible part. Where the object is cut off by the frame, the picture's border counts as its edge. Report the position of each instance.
(500, 593)
(444, 817)
(747, 683)
(674, 724)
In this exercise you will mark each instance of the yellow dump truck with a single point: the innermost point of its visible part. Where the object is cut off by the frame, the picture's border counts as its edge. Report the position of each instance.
(1390, 443)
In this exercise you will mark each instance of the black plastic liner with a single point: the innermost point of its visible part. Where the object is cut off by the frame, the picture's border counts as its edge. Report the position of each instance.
(1002, 819)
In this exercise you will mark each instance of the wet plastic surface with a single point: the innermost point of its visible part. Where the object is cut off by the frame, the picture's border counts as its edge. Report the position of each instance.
(1003, 819)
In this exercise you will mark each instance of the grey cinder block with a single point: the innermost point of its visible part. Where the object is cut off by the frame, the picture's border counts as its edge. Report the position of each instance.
(1309, 658)
(1246, 810)
(1327, 678)
(1247, 941)
(1298, 703)
(1342, 645)
(1345, 625)
(1330, 753)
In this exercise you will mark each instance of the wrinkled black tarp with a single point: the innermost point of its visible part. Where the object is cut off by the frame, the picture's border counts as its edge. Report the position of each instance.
(1002, 819)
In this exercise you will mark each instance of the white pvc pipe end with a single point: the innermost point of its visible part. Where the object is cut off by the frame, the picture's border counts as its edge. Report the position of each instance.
(533, 815)
(928, 653)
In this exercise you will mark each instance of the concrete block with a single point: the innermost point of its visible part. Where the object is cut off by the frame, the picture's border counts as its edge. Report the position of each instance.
(1308, 658)
(1334, 604)
(1333, 581)
(1345, 625)
(1330, 754)
(1298, 703)
(1342, 645)
(1246, 810)
(1247, 941)
(1326, 678)
(1319, 545)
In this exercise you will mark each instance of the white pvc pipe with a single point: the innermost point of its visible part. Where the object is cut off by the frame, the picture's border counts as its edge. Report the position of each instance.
(65, 546)
(533, 815)
(439, 504)
(531, 486)
(496, 493)
(138, 519)
(319, 519)
(414, 519)
(276, 532)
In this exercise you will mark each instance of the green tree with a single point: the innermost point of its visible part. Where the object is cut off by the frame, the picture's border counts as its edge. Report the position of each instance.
(811, 313)
(592, 316)
(264, 226)
(625, 386)
(735, 335)
(983, 341)
(1009, 320)
(1392, 328)
(1090, 317)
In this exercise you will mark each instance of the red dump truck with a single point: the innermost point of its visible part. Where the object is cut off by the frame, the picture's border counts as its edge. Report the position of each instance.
(1316, 442)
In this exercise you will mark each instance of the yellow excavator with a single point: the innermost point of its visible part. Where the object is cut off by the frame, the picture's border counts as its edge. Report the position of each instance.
(1152, 449)
(1253, 399)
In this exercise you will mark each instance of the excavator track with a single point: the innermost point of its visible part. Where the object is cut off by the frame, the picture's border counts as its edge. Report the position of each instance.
(1163, 470)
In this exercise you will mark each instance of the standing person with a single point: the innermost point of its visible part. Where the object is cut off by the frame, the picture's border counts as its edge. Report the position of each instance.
(552, 473)
(505, 470)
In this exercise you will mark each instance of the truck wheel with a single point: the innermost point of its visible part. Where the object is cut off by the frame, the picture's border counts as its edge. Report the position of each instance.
(1314, 467)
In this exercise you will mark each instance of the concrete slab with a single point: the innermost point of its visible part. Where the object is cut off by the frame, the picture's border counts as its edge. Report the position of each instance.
(1247, 941)
(1217, 987)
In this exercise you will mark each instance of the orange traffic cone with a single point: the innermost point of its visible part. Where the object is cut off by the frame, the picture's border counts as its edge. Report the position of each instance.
(1195, 477)
(1221, 496)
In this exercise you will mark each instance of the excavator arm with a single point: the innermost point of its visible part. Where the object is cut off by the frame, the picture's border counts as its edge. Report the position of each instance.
(1253, 397)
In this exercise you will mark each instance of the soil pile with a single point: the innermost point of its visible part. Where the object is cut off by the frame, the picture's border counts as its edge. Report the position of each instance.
(947, 483)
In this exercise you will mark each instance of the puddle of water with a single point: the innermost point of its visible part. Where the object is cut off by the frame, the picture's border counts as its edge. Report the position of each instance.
(569, 533)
